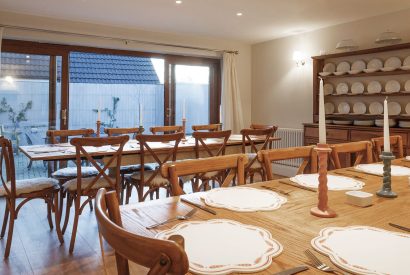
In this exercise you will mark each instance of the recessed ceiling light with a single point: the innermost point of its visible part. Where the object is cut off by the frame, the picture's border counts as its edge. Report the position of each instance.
(178, 2)
(239, 14)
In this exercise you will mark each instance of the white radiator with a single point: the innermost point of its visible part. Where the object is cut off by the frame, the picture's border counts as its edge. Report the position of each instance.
(289, 138)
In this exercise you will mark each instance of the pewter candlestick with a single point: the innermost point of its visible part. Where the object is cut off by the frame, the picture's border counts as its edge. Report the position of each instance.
(184, 129)
(141, 129)
(386, 191)
(98, 128)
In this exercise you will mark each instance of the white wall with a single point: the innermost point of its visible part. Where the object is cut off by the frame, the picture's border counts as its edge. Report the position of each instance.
(243, 59)
(282, 92)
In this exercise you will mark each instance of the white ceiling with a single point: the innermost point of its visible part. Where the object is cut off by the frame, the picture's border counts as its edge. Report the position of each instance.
(262, 19)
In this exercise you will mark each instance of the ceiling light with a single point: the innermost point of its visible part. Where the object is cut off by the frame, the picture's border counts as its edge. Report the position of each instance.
(239, 14)
(178, 2)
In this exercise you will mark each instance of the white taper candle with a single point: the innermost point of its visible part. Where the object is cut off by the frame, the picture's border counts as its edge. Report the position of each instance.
(140, 114)
(184, 109)
(386, 130)
(322, 119)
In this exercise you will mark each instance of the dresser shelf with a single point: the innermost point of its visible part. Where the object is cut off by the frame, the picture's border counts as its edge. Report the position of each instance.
(396, 72)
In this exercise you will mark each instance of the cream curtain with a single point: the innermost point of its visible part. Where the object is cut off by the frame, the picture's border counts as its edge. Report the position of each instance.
(1, 39)
(232, 116)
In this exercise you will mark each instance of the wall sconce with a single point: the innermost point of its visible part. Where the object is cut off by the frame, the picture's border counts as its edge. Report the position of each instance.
(299, 58)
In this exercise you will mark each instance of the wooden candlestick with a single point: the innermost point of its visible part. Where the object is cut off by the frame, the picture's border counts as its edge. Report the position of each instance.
(322, 210)
(98, 128)
(141, 129)
(184, 129)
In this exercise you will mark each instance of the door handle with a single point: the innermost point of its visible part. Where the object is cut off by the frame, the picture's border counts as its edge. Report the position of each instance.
(64, 116)
(168, 112)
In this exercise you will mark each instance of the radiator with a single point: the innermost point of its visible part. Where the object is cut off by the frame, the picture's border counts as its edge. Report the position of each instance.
(289, 138)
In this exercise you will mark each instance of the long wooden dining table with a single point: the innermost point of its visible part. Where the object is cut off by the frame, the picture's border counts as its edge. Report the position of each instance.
(292, 224)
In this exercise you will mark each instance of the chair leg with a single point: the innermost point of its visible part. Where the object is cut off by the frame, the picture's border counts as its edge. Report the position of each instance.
(57, 218)
(77, 203)
(128, 193)
(29, 165)
(9, 234)
(90, 203)
(67, 212)
(157, 193)
(123, 186)
(61, 193)
(5, 220)
(50, 220)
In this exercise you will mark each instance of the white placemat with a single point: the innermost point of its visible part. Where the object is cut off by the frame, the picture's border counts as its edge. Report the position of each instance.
(235, 137)
(333, 182)
(377, 169)
(365, 250)
(91, 149)
(222, 246)
(45, 149)
(244, 199)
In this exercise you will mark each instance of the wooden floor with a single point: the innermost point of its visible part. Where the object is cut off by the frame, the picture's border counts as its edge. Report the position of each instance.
(36, 249)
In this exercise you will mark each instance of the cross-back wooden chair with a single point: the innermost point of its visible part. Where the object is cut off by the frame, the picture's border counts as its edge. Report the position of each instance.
(249, 139)
(231, 165)
(309, 156)
(207, 127)
(127, 169)
(160, 256)
(361, 149)
(24, 190)
(60, 171)
(204, 148)
(166, 129)
(396, 143)
(265, 126)
(88, 187)
(167, 147)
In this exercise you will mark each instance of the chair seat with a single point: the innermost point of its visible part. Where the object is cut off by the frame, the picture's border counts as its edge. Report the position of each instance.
(71, 185)
(129, 169)
(30, 185)
(256, 164)
(157, 181)
(71, 172)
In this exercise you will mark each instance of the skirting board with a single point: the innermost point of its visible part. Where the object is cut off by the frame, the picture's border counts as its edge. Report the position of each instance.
(284, 170)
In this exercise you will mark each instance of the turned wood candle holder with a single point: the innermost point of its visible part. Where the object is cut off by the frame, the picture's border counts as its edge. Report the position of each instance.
(386, 191)
(322, 210)
(141, 129)
(98, 128)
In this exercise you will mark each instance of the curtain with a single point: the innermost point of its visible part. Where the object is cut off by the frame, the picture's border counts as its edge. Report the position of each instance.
(232, 116)
(1, 39)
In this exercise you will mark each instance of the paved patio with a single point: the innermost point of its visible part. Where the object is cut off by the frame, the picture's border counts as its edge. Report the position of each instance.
(22, 172)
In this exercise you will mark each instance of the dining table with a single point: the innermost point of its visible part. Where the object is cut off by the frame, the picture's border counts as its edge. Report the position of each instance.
(131, 151)
(292, 224)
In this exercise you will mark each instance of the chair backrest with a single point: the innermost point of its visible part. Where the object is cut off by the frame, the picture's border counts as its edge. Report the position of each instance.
(160, 256)
(160, 156)
(263, 126)
(306, 153)
(7, 168)
(235, 164)
(122, 131)
(166, 129)
(250, 136)
(211, 149)
(207, 127)
(116, 144)
(396, 143)
(361, 149)
(59, 136)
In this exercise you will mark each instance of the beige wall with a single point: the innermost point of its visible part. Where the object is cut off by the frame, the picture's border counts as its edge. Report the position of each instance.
(243, 59)
(282, 92)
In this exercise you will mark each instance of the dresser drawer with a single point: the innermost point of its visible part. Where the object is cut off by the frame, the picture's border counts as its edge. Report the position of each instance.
(337, 134)
(367, 135)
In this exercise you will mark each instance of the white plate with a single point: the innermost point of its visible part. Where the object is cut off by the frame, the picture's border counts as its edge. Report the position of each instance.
(333, 182)
(394, 108)
(354, 71)
(325, 73)
(244, 199)
(408, 108)
(374, 87)
(370, 70)
(363, 122)
(407, 86)
(339, 73)
(377, 169)
(358, 65)
(328, 89)
(405, 68)
(357, 88)
(342, 88)
(363, 249)
(406, 62)
(392, 86)
(374, 65)
(343, 66)
(393, 62)
(222, 246)
(329, 108)
(376, 108)
(343, 108)
(342, 122)
(388, 69)
(329, 68)
(359, 108)
(404, 124)
(380, 122)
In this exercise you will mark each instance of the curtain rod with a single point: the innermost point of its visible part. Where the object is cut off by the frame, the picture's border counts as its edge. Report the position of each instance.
(125, 40)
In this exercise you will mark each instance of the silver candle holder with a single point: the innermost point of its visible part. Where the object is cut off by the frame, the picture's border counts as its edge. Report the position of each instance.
(386, 191)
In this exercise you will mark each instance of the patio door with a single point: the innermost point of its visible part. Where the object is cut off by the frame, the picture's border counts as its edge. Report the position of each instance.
(193, 94)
